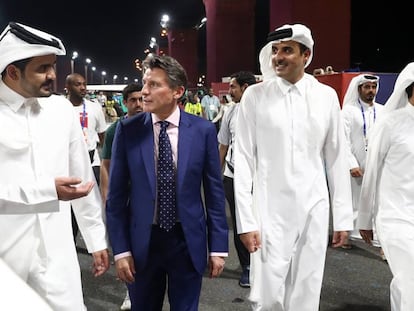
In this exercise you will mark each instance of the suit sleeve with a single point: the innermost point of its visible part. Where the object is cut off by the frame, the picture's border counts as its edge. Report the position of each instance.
(214, 197)
(117, 200)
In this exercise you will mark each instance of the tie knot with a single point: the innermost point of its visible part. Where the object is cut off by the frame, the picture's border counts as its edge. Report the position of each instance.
(164, 125)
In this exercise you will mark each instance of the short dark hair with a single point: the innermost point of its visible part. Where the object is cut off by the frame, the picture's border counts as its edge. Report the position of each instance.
(176, 73)
(303, 48)
(131, 88)
(244, 77)
(20, 64)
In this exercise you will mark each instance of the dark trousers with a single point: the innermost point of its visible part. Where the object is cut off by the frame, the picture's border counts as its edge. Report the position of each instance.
(242, 252)
(169, 267)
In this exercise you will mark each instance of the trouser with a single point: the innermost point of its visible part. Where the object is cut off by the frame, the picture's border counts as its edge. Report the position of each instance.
(169, 267)
(242, 253)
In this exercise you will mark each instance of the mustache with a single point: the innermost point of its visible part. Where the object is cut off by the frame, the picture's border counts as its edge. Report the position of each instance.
(48, 83)
(278, 62)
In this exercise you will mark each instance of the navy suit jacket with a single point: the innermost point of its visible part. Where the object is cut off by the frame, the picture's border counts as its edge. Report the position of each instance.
(130, 205)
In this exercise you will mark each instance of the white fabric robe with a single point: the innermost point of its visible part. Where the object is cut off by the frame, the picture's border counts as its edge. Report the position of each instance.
(290, 150)
(387, 195)
(16, 294)
(354, 131)
(38, 143)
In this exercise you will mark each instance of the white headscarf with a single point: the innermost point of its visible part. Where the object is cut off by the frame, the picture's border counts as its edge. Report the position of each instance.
(296, 32)
(397, 100)
(351, 96)
(18, 41)
(399, 97)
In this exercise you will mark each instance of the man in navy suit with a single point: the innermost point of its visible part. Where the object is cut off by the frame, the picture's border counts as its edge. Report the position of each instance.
(148, 257)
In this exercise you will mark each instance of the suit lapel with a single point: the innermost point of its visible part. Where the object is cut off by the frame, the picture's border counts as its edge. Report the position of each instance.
(147, 152)
(185, 138)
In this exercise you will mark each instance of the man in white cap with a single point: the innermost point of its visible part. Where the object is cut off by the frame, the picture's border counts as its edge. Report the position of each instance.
(387, 194)
(44, 164)
(360, 112)
(291, 147)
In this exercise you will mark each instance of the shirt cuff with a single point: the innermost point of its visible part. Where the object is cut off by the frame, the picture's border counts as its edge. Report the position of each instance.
(122, 255)
(219, 254)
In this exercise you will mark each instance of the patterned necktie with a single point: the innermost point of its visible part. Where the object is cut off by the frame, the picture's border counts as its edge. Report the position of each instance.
(165, 180)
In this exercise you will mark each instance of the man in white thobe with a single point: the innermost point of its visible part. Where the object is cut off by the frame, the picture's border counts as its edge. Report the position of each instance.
(387, 195)
(44, 165)
(360, 111)
(290, 146)
(16, 294)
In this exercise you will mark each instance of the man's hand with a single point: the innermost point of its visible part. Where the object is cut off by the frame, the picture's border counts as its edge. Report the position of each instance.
(69, 188)
(339, 238)
(125, 269)
(251, 241)
(356, 172)
(216, 266)
(100, 262)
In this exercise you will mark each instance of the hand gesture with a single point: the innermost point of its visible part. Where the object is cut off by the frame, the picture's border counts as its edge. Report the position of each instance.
(70, 188)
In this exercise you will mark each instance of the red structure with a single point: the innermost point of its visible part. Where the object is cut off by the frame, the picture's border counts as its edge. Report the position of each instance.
(339, 81)
(230, 37)
(182, 45)
(330, 23)
(230, 32)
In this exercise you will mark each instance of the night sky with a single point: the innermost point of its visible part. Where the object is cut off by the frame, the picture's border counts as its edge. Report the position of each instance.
(381, 35)
(112, 36)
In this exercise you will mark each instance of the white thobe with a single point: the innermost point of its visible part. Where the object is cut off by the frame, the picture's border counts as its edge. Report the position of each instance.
(16, 294)
(387, 196)
(354, 131)
(41, 139)
(290, 146)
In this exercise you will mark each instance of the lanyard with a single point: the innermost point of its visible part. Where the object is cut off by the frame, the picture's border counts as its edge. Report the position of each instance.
(365, 123)
(83, 119)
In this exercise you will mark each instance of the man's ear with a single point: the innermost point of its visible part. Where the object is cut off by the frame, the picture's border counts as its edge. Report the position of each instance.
(179, 92)
(307, 54)
(13, 72)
